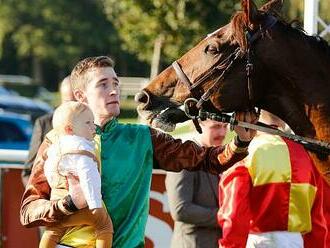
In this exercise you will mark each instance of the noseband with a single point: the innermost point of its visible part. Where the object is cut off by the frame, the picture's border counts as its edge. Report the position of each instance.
(226, 65)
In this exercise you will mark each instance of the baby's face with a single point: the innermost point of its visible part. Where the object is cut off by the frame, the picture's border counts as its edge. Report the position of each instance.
(84, 125)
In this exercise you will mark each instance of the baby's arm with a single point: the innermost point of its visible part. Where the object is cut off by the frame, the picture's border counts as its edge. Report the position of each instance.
(90, 181)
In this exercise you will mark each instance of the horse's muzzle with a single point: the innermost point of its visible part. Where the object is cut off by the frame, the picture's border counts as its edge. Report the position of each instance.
(142, 97)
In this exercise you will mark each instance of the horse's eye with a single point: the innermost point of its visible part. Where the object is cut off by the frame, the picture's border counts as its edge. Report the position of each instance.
(212, 49)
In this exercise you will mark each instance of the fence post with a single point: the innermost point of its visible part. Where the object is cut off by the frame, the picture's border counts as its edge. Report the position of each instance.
(311, 13)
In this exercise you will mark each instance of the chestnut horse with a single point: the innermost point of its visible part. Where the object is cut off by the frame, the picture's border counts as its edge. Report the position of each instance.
(290, 76)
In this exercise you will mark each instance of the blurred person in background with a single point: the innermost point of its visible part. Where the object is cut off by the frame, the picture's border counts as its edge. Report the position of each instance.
(42, 126)
(193, 197)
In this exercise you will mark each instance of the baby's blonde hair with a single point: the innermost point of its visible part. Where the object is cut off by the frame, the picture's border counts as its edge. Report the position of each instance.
(67, 114)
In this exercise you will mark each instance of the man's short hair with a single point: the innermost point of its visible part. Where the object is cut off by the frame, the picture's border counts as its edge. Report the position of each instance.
(78, 77)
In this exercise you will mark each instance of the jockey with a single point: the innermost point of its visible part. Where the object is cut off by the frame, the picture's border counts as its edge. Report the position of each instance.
(274, 197)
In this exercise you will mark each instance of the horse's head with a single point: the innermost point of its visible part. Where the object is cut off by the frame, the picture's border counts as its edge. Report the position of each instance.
(215, 70)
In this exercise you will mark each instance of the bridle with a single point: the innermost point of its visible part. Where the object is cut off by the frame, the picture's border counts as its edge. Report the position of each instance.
(193, 87)
(225, 66)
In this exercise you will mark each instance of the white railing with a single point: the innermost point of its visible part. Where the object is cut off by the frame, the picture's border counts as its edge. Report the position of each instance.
(12, 159)
(129, 86)
(312, 20)
(325, 26)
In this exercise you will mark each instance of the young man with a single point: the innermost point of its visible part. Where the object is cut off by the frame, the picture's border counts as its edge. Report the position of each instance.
(128, 154)
(193, 197)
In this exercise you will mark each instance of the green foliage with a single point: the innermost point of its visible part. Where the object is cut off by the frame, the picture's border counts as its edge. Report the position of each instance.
(181, 23)
(60, 31)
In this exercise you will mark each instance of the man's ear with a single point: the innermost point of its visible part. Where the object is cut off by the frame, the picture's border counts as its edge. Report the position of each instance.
(79, 95)
(68, 129)
(251, 12)
(273, 6)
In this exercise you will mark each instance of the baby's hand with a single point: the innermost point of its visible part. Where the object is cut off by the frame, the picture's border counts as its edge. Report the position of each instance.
(76, 193)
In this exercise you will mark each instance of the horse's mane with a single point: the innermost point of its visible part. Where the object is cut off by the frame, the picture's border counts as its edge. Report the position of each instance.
(315, 40)
(238, 27)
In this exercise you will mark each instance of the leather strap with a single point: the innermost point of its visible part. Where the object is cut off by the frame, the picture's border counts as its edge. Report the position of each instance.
(181, 74)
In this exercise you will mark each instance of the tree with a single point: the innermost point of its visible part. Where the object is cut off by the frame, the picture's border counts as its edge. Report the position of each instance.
(58, 31)
(169, 26)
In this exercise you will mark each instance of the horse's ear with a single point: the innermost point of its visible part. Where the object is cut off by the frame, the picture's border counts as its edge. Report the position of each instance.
(251, 12)
(273, 6)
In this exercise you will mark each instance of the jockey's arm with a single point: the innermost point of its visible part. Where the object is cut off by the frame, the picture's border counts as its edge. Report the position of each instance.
(174, 155)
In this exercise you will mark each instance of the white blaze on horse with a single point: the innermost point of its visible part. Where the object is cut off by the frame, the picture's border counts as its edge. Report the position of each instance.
(257, 60)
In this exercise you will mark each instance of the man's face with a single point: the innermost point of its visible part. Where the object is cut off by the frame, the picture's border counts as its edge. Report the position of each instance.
(214, 133)
(102, 92)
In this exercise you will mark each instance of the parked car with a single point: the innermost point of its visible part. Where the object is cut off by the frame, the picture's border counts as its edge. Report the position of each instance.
(25, 86)
(10, 101)
(15, 131)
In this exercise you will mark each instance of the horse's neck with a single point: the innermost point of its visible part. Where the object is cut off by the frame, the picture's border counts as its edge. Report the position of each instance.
(304, 72)
(307, 69)
(307, 117)
(312, 85)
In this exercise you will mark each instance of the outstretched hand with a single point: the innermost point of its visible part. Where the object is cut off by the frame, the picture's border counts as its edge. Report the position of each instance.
(244, 134)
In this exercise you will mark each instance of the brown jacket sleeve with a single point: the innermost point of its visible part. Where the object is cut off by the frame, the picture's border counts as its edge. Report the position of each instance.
(36, 208)
(174, 155)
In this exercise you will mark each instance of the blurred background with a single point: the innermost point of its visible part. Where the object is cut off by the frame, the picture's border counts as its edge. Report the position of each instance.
(41, 41)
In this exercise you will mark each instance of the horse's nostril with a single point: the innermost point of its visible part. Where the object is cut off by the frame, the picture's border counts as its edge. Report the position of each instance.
(142, 97)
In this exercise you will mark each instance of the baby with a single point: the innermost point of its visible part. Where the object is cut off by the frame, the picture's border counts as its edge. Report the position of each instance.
(70, 161)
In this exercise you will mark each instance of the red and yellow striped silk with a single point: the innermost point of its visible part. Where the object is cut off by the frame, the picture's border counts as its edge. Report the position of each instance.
(276, 188)
(283, 182)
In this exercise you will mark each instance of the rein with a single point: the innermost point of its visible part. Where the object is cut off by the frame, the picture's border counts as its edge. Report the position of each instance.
(309, 143)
